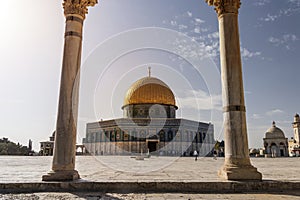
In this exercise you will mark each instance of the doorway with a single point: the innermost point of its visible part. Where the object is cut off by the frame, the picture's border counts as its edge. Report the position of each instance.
(281, 152)
(152, 146)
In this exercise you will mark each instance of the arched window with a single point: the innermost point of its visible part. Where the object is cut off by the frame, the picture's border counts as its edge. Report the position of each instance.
(200, 137)
(162, 135)
(107, 136)
(204, 136)
(170, 135)
(118, 135)
(142, 135)
(98, 136)
(112, 136)
(134, 135)
(273, 144)
(186, 136)
(197, 139)
(126, 137)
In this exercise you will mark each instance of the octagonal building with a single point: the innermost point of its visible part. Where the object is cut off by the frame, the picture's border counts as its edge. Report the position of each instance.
(149, 125)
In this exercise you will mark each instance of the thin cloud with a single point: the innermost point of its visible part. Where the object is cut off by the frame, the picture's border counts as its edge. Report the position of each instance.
(293, 7)
(208, 40)
(246, 54)
(200, 100)
(195, 28)
(274, 41)
(256, 116)
(285, 122)
(173, 23)
(295, 2)
(286, 40)
(199, 21)
(214, 35)
(274, 112)
(182, 27)
(270, 18)
(261, 2)
(202, 49)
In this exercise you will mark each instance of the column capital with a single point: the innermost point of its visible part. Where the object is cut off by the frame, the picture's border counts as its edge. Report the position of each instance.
(79, 7)
(225, 6)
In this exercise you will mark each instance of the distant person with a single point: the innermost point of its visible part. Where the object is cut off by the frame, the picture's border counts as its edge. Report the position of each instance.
(196, 155)
(215, 155)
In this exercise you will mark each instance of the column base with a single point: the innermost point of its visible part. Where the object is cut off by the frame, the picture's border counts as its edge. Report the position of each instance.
(240, 173)
(61, 176)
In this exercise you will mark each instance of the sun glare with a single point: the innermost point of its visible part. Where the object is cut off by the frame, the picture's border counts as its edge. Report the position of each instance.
(9, 11)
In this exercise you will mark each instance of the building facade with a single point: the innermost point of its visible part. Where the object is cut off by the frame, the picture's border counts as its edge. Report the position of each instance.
(149, 125)
(294, 142)
(46, 147)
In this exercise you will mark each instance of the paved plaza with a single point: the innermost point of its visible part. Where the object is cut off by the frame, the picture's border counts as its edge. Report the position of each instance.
(125, 170)
(151, 196)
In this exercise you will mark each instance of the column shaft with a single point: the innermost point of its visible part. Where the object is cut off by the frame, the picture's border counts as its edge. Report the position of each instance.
(237, 164)
(63, 165)
(232, 91)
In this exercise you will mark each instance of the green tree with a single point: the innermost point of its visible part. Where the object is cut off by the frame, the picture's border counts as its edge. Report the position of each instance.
(10, 148)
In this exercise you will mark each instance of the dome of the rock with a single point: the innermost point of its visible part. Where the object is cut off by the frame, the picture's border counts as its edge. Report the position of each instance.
(149, 90)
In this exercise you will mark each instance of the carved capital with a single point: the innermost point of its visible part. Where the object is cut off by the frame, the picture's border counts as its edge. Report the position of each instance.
(225, 6)
(79, 7)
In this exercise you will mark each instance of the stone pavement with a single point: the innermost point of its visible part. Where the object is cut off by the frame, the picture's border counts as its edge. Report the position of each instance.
(24, 169)
(149, 178)
(153, 196)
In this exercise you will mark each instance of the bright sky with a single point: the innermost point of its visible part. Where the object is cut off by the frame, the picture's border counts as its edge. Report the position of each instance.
(122, 38)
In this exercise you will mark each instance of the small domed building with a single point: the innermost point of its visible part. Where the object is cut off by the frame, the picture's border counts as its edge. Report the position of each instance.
(275, 142)
(149, 125)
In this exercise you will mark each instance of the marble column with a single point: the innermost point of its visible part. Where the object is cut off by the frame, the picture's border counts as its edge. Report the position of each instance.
(63, 165)
(237, 164)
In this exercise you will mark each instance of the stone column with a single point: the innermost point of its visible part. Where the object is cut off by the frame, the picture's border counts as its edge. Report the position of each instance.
(237, 164)
(63, 165)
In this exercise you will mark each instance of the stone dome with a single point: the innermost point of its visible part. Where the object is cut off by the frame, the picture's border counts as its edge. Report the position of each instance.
(149, 90)
(274, 132)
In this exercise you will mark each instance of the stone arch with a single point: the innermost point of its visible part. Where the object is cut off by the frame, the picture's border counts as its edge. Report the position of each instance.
(274, 149)
(170, 135)
(81, 148)
(283, 151)
(142, 134)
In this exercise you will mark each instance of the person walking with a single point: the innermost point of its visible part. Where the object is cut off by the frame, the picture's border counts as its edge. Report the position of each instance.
(196, 155)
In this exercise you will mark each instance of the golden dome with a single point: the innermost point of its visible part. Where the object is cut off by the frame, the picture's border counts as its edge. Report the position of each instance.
(149, 90)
